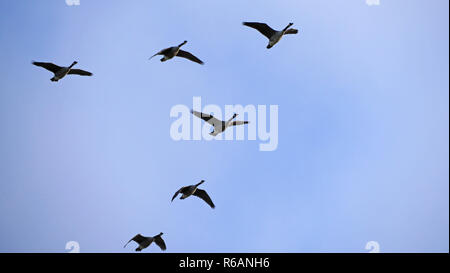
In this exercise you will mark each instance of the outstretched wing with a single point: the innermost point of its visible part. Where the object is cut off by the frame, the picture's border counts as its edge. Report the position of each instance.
(160, 242)
(165, 51)
(291, 31)
(175, 195)
(49, 66)
(206, 117)
(203, 195)
(79, 72)
(264, 29)
(238, 122)
(138, 239)
(189, 56)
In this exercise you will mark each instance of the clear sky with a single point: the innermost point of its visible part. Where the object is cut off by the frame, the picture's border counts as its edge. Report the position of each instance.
(363, 152)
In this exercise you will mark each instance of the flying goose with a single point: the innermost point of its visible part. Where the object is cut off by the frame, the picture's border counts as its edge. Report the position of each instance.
(273, 35)
(219, 125)
(194, 190)
(61, 72)
(144, 242)
(173, 51)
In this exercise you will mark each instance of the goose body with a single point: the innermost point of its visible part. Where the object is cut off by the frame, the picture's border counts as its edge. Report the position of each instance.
(171, 52)
(219, 125)
(194, 190)
(274, 36)
(144, 241)
(61, 71)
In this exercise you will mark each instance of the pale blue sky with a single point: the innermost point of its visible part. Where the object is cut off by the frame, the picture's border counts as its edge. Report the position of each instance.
(363, 148)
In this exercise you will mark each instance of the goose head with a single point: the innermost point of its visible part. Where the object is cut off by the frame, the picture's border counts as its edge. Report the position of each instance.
(74, 63)
(288, 26)
(233, 117)
(180, 45)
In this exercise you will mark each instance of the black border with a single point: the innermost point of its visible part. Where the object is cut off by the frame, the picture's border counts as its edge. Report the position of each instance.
(169, 262)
